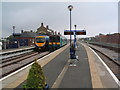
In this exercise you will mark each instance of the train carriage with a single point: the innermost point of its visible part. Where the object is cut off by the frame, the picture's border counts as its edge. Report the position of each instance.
(57, 41)
(54, 42)
(63, 41)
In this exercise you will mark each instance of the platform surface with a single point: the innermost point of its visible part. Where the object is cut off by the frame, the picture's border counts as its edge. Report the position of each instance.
(78, 76)
(75, 76)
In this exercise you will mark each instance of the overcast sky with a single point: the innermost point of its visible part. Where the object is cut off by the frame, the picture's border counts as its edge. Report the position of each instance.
(95, 17)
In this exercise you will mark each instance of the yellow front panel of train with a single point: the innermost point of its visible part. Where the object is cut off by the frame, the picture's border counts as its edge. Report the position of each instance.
(40, 44)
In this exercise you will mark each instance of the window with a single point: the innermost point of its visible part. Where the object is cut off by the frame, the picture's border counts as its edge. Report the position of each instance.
(40, 40)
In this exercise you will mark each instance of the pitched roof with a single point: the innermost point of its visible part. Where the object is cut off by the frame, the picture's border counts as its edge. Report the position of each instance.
(28, 34)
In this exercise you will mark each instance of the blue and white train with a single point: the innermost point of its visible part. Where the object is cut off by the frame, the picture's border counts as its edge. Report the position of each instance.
(44, 42)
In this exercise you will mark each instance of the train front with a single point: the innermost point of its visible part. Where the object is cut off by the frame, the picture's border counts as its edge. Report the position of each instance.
(41, 43)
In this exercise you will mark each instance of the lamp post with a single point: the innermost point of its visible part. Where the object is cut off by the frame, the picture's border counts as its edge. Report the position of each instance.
(13, 29)
(70, 7)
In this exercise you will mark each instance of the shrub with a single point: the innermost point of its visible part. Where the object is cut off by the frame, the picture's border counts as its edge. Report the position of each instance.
(36, 78)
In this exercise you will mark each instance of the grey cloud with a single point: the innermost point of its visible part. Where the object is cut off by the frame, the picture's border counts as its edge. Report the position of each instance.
(94, 16)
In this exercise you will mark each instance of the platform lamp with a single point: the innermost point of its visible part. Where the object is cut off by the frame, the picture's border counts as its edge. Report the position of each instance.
(70, 7)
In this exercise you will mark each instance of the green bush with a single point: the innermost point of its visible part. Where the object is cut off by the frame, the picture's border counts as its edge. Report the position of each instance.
(36, 78)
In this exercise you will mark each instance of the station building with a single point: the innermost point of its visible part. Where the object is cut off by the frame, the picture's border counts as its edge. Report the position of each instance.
(27, 37)
(42, 30)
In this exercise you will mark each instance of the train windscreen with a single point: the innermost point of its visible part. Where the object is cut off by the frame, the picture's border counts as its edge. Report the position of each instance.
(40, 40)
(57, 38)
(54, 38)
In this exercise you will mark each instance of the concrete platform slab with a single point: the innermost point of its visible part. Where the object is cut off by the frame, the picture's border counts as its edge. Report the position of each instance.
(78, 76)
(101, 78)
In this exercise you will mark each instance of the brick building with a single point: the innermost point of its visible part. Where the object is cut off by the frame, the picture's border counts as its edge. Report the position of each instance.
(109, 38)
(44, 30)
(26, 38)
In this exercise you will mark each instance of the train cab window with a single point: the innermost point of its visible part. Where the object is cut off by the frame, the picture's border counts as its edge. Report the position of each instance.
(40, 40)
(54, 38)
(51, 39)
(57, 39)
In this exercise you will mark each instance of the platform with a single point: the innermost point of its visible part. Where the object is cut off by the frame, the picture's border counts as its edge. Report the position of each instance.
(89, 71)
(109, 53)
(7, 51)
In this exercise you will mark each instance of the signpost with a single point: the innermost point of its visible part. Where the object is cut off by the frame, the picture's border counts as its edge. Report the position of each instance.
(74, 32)
(77, 32)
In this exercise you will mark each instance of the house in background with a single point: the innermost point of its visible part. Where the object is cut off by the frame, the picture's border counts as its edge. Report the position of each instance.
(44, 30)
(26, 38)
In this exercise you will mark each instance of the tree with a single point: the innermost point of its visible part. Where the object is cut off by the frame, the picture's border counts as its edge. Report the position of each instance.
(36, 78)
(10, 37)
(101, 34)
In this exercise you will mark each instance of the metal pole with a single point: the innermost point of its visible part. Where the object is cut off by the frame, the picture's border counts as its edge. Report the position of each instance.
(75, 37)
(70, 7)
(70, 29)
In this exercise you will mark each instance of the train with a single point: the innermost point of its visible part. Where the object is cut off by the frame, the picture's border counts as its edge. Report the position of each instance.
(49, 43)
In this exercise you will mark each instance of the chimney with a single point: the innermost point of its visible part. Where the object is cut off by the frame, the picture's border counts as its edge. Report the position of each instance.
(42, 24)
(47, 27)
(58, 33)
(21, 31)
(55, 33)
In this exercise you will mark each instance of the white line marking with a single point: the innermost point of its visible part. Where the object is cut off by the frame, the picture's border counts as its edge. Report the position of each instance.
(30, 64)
(111, 73)
(61, 75)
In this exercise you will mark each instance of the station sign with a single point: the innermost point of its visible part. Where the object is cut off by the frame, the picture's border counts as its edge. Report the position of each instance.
(80, 32)
(77, 32)
(67, 32)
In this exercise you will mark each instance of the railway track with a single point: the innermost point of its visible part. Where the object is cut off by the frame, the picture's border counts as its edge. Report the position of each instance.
(10, 65)
(12, 58)
(2, 57)
(112, 64)
(17, 59)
